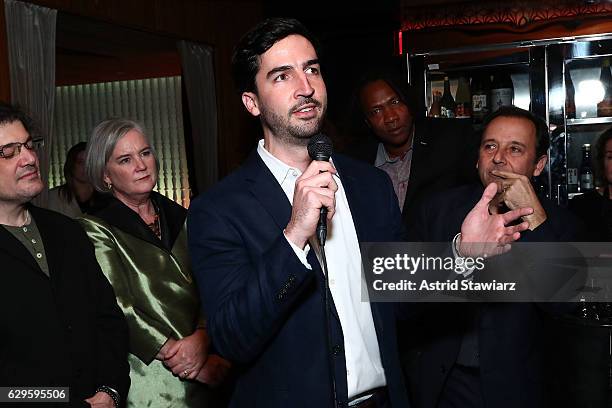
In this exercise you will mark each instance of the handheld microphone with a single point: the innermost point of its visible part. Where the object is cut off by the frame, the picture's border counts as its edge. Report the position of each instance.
(320, 148)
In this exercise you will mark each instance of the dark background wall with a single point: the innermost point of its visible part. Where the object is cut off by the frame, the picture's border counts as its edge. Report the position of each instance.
(355, 37)
(131, 39)
(101, 40)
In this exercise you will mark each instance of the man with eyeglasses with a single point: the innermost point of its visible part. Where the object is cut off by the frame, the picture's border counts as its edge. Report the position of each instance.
(60, 325)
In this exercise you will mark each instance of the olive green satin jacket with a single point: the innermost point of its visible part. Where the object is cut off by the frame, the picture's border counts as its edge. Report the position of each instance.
(153, 285)
(154, 288)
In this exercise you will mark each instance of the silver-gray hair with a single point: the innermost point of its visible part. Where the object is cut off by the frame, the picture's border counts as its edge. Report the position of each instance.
(101, 145)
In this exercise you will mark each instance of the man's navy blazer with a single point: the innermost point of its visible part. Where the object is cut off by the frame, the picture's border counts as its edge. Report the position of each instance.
(512, 336)
(264, 308)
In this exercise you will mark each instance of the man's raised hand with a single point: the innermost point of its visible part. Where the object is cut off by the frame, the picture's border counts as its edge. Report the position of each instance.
(486, 234)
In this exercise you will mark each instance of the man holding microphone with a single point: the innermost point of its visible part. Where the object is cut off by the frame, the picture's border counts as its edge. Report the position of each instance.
(256, 262)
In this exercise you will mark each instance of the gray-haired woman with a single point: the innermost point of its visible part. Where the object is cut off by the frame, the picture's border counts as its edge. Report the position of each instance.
(140, 242)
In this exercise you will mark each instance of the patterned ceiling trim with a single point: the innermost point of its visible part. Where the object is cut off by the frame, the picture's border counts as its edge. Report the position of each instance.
(514, 13)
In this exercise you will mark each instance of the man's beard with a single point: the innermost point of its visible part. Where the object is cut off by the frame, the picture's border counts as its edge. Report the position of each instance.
(25, 191)
(294, 134)
(22, 196)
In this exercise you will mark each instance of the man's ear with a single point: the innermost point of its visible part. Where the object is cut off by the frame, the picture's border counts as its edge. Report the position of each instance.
(251, 103)
(540, 164)
(367, 122)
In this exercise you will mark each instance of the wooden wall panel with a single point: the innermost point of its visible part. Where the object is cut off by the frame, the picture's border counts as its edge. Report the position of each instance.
(170, 17)
(77, 70)
(240, 124)
(132, 13)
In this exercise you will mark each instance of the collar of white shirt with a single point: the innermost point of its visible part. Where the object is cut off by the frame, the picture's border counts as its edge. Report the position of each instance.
(282, 172)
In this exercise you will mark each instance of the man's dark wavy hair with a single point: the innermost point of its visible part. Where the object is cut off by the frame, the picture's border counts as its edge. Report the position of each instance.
(245, 60)
(542, 138)
(12, 113)
(355, 118)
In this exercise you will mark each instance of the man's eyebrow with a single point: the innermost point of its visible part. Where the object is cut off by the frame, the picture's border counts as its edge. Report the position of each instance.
(380, 104)
(311, 62)
(26, 141)
(284, 68)
(515, 142)
(275, 70)
(390, 99)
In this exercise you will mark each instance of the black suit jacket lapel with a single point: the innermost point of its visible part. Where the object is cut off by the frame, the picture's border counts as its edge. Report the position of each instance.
(266, 190)
(264, 187)
(356, 197)
(418, 166)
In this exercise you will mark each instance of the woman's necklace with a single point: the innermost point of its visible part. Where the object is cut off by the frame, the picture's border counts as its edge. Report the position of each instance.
(155, 225)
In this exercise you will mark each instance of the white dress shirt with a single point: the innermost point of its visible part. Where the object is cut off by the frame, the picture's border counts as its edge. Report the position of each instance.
(363, 364)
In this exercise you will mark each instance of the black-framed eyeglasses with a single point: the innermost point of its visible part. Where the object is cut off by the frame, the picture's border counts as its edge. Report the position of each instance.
(10, 150)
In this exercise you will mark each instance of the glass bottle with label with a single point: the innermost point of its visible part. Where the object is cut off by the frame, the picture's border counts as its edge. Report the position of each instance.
(464, 100)
(502, 91)
(572, 179)
(604, 108)
(435, 109)
(447, 103)
(586, 172)
(481, 97)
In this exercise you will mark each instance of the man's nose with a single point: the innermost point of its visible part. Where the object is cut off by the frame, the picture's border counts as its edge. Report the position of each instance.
(390, 115)
(305, 89)
(499, 157)
(27, 156)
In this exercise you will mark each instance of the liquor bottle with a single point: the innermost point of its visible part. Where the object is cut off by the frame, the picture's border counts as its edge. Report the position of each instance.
(502, 91)
(570, 92)
(586, 173)
(447, 103)
(572, 179)
(434, 110)
(604, 108)
(481, 97)
(464, 100)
